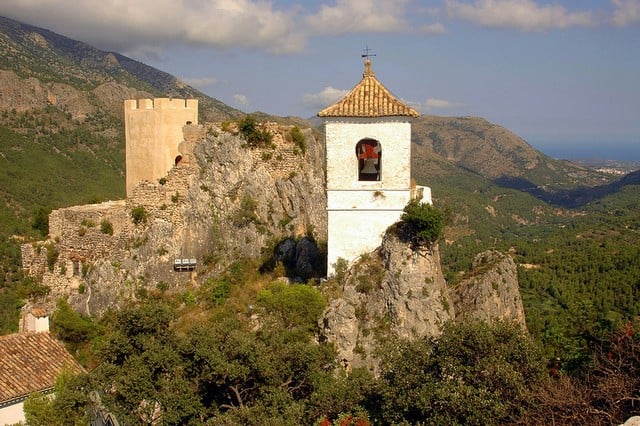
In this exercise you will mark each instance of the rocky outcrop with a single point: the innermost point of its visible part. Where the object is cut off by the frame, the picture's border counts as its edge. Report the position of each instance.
(489, 292)
(224, 201)
(400, 291)
(28, 94)
(394, 290)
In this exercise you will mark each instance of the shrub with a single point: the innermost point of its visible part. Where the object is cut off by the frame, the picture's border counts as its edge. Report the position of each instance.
(421, 223)
(246, 213)
(139, 215)
(88, 223)
(297, 137)
(106, 227)
(52, 256)
(41, 221)
(293, 306)
(254, 136)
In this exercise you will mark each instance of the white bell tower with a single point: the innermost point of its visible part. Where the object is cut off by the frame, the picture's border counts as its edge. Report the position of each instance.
(368, 160)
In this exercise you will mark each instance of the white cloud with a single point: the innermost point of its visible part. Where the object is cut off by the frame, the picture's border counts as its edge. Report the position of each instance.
(241, 100)
(436, 28)
(128, 26)
(200, 82)
(324, 98)
(349, 16)
(524, 15)
(626, 12)
(432, 104)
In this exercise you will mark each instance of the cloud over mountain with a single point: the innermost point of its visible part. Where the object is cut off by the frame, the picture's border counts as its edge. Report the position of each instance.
(524, 15)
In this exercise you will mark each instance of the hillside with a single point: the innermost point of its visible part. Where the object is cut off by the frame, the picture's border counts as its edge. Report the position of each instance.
(573, 235)
(495, 153)
(61, 120)
(35, 53)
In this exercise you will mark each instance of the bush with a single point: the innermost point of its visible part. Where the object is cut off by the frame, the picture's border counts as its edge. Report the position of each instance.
(139, 215)
(474, 374)
(106, 227)
(293, 306)
(297, 137)
(41, 221)
(246, 214)
(254, 136)
(52, 256)
(421, 223)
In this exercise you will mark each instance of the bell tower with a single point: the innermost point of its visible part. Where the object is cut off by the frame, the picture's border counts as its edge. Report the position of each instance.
(368, 160)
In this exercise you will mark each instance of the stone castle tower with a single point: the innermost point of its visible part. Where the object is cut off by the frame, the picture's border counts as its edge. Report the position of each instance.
(153, 131)
(368, 161)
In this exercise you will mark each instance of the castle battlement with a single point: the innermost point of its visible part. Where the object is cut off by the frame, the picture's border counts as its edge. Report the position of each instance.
(160, 103)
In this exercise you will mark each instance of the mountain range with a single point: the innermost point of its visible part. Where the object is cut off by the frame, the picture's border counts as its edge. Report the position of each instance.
(61, 115)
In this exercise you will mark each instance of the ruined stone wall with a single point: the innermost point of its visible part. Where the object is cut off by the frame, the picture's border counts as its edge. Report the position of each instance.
(283, 158)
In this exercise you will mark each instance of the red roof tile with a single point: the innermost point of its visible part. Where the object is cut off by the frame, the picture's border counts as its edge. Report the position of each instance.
(368, 99)
(30, 362)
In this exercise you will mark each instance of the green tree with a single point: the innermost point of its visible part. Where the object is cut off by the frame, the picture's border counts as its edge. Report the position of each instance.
(66, 406)
(474, 374)
(71, 327)
(41, 221)
(293, 306)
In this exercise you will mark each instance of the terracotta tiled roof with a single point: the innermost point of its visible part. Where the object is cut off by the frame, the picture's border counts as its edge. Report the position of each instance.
(30, 362)
(368, 99)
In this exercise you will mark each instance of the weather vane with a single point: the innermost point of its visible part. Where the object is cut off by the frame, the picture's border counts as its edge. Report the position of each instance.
(366, 52)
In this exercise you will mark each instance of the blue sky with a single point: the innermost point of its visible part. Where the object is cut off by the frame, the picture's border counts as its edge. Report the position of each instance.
(564, 75)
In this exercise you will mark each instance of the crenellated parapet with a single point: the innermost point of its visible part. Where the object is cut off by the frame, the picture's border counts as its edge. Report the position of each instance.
(158, 104)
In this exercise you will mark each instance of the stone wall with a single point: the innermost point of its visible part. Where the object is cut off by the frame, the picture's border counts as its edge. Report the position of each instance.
(194, 211)
(153, 132)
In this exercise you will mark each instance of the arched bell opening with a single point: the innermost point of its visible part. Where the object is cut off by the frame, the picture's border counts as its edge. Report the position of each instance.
(369, 156)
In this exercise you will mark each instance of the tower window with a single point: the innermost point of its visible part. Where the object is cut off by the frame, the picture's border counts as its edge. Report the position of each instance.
(369, 155)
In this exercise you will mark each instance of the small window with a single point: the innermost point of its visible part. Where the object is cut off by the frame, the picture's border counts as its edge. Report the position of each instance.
(369, 155)
(178, 159)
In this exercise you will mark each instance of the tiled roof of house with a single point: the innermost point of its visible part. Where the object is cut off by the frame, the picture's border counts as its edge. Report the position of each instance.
(30, 362)
(368, 99)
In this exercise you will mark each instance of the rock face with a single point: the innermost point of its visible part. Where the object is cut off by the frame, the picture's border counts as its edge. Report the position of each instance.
(490, 291)
(400, 291)
(224, 201)
(394, 290)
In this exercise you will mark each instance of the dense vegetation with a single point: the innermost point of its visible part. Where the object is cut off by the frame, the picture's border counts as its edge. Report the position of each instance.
(204, 358)
(579, 270)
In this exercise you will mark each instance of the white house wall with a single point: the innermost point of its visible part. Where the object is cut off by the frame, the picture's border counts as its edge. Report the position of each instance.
(12, 414)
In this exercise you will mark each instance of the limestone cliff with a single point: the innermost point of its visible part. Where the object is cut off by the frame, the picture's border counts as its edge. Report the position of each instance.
(489, 291)
(222, 202)
(398, 290)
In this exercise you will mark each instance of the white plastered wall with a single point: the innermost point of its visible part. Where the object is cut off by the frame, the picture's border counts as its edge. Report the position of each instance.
(12, 414)
(359, 212)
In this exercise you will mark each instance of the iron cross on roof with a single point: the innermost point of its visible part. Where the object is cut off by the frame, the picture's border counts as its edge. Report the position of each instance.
(366, 53)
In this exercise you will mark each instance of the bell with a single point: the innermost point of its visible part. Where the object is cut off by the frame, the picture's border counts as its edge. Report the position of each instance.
(369, 166)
